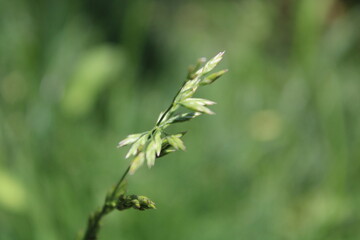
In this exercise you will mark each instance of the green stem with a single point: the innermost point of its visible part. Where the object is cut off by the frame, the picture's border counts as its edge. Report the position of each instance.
(94, 220)
(120, 182)
(171, 105)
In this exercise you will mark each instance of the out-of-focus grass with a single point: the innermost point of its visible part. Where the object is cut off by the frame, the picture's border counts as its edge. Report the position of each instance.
(279, 160)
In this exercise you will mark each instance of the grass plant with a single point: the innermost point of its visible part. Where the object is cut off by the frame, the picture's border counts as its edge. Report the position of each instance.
(158, 142)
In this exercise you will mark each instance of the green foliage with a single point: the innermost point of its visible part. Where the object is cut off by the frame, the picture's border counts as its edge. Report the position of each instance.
(156, 142)
(151, 145)
(281, 155)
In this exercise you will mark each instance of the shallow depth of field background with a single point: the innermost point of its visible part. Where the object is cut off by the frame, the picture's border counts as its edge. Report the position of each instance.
(279, 160)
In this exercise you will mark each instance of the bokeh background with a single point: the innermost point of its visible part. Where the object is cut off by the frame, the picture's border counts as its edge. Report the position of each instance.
(279, 160)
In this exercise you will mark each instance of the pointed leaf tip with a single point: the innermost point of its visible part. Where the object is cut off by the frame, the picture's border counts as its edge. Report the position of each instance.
(136, 163)
(183, 117)
(151, 154)
(157, 142)
(212, 77)
(129, 139)
(211, 64)
(136, 146)
(196, 106)
(176, 142)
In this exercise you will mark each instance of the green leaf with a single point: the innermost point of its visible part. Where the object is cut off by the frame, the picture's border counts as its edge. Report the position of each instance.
(200, 101)
(194, 69)
(160, 116)
(137, 145)
(151, 154)
(176, 142)
(210, 65)
(166, 151)
(187, 92)
(212, 77)
(164, 147)
(157, 142)
(183, 117)
(137, 162)
(129, 139)
(197, 107)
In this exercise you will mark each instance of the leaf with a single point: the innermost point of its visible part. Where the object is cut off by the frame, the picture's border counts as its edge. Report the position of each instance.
(181, 134)
(212, 77)
(193, 69)
(187, 92)
(137, 162)
(200, 101)
(210, 65)
(197, 107)
(183, 117)
(166, 148)
(166, 151)
(160, 116)
(176, 142)
(150, 154)
(129, 139)
(137, 145)
(157, 142)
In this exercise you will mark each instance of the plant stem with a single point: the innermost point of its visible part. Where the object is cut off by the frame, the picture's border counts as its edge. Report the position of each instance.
(171, 105)
(120, 182)
(94, 220)
(152, 144)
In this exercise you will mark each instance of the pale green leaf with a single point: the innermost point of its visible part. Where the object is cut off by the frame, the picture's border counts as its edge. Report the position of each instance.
(212, 77)
(197, 107)
(137, 145)
(210, 65)
(129, 139)
(157, 142)
(200, 101)
(160, 116)
(194, 69)
(176, 142)
(151, 154)
(137, 162)
(165, 152)
(183, 117)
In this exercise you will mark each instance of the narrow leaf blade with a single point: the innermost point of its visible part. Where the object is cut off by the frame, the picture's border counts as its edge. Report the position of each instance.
(157, 142)
(129, 139)
(137, 162)
(196, 107)
(136, 146)
(150, 154)
(200, 101)
(211, 64)
(176, 142)
(212, 77)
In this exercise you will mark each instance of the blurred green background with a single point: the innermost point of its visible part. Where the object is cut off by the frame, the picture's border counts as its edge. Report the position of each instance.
(279, 160)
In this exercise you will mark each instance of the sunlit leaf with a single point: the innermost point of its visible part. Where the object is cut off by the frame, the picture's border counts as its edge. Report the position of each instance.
(137, 145)
(211, 64)
(157, 142)
(193, 69)
(129, 139)
(137, 162)
(160, 116)
(197, 107)
(176, 142)
(212, 77)
(200, 101)
(151, 154)
(183, 117)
